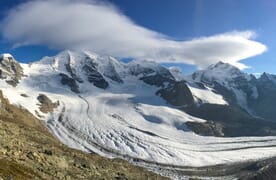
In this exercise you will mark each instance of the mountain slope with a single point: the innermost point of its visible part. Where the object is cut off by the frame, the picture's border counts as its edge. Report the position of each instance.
(29, 151)
(139, 112)
(242, 105)
(255, 96)
(264, 104)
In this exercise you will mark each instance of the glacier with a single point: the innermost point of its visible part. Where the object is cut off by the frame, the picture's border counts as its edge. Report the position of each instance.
(127, 119)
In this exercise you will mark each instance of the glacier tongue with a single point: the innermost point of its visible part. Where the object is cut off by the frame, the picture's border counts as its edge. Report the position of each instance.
(126, 119)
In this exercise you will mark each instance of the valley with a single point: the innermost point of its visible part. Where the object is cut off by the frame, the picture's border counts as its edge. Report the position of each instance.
(197, 126)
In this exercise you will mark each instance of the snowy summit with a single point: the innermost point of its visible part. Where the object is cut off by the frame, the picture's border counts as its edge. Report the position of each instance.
(6, 56)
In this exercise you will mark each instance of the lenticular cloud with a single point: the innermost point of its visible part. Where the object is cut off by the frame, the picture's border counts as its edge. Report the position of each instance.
(101, 27)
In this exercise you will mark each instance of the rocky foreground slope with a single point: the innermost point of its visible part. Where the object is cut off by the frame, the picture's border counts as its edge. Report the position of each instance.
(29, 151)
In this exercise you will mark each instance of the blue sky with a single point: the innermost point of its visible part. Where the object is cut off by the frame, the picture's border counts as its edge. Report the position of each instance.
(182, 21)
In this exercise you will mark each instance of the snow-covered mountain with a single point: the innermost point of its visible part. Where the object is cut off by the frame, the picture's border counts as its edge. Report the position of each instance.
(223, 75)
(140, 112)
(255, 96)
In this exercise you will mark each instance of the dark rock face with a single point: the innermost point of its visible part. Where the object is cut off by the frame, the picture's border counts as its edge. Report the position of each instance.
(262, 170)
(11, 71)
(112, 74)
(46, 105)
(208, 128)
(264, 104)
(66, 80)
(156, 80)
(177, 94)
(156, 75)
(72, 72)
(138, 69)
(230, 121)
(93, 76)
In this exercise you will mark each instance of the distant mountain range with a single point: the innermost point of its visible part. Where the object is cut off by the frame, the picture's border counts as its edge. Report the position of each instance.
(148, 114)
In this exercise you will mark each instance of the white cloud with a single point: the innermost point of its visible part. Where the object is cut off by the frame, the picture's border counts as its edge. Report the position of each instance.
(101, 27)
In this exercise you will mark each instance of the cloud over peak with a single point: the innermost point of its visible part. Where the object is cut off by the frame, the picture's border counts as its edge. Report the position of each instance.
(101, 27)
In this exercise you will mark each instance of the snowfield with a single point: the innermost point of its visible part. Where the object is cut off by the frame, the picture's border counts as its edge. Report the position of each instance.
(127, 120)
(206, 95)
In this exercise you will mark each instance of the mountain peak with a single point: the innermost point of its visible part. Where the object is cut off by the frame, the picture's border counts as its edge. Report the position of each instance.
(219, 72)
(10, 69)
(225, 70)
(6, 56)
(223, 66)
(265, 77)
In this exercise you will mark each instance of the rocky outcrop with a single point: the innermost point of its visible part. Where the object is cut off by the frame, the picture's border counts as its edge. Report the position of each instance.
(156, 80)
(71, 70)
(66, 80)
(177, 94)
(208, 128)
(93, 76)
(231, 121)
(151, 73)
(261, 170)
(10, 70)
(46, 105)
(264, 104)
(111, 73)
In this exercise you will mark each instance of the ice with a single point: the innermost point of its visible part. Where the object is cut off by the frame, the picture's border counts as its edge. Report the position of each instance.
(127, 120)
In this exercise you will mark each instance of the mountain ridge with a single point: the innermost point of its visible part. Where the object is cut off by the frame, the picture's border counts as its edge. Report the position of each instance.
(140, 112)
